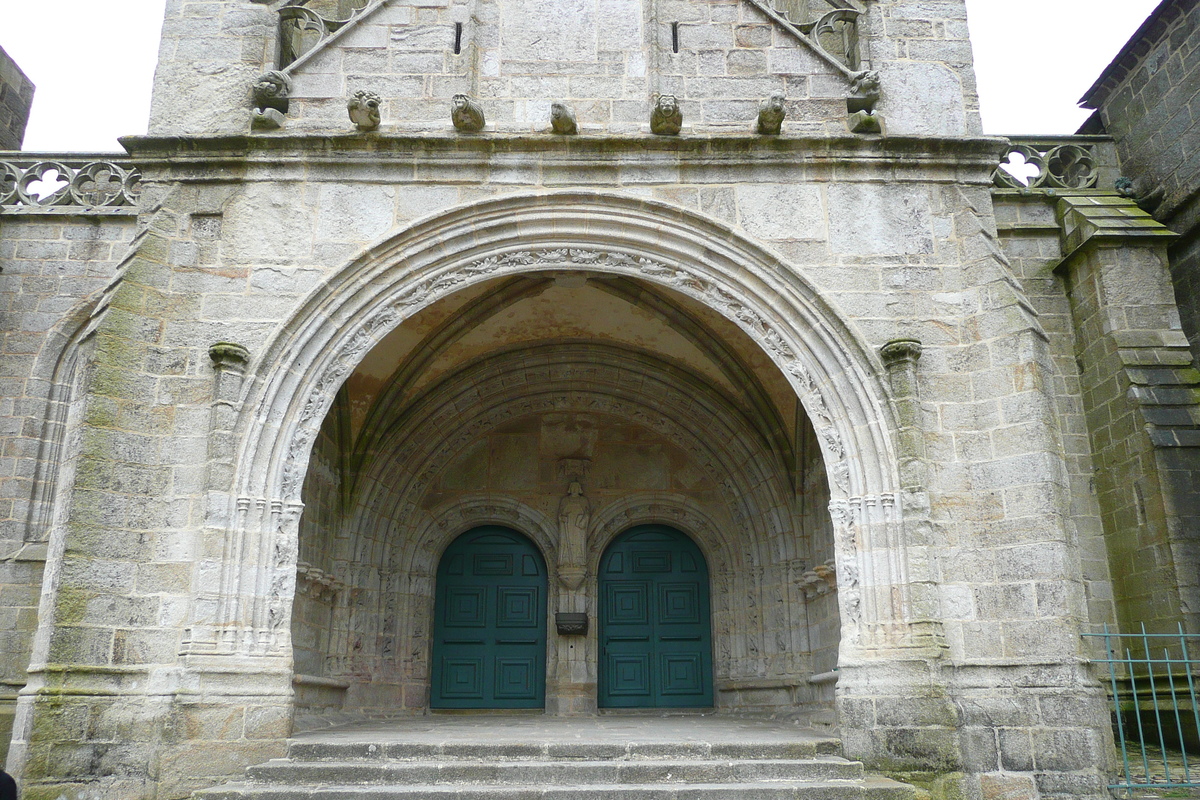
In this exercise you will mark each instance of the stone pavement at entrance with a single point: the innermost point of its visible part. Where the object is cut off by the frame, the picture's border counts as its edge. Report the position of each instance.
(522, 757)
(690, 731)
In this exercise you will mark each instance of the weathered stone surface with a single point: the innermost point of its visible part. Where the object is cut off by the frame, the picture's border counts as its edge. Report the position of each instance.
(712, 329)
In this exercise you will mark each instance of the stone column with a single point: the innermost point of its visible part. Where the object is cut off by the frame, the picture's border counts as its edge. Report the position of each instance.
(893, 702)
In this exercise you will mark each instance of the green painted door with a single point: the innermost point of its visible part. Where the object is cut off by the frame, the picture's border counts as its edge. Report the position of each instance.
(489, 630)
(654, 627)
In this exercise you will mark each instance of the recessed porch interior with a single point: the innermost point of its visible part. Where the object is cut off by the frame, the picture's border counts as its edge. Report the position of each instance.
(569, 408)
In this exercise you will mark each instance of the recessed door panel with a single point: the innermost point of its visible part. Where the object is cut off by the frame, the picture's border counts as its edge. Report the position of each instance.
(654, 627)
(629, 675)
(489, 638)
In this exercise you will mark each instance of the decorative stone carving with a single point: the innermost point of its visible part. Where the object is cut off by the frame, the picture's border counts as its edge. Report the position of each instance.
(562, 119)
(1147, 201)
(89, 184)
(677, 277)
(770, 115)
(363, 108)
(836, 35)
(574, 512)
(900, 351)
(666, 119)
(315, 583)
(302, 31)
(271, 92)
(229, 362)
(466, 114)
(1033, 165)
(861, 105)
(227, 355)
(574, 469)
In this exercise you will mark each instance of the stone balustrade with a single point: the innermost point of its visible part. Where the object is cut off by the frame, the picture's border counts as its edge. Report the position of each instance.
(68, 183)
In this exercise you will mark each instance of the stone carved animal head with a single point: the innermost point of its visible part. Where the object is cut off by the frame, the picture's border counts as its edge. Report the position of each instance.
(363, 107)
(271, 90)
(466, 114)
(770, 115)
(562, 119)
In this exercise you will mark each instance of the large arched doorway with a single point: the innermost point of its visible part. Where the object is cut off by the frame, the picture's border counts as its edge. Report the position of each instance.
(654, 622)
(674, 371)
(489, 629)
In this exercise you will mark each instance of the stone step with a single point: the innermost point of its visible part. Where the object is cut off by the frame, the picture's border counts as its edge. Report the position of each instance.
(866, 789)
(308, 750)
(546, 773)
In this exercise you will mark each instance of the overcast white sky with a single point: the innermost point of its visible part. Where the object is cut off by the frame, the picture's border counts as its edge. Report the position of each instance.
(93, 62)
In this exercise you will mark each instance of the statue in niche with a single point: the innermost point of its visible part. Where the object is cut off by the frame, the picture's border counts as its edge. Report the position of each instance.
(574, 512)
(666, 119)
(466, 114)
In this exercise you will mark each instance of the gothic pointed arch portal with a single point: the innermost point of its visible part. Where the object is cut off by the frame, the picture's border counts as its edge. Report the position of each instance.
(625, 243)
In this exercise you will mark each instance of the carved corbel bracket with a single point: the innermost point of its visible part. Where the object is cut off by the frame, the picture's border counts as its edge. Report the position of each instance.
(900, 359)
(820, 580)
(229, 363)
(901, 352)
(229, 356)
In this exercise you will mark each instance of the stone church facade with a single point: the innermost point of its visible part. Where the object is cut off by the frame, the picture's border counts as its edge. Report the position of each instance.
(907, 426)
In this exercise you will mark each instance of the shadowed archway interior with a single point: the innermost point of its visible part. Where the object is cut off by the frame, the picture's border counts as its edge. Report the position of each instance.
(568, 408)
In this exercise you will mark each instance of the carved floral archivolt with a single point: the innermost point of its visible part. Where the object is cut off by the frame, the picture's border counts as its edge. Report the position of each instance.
(435, 287)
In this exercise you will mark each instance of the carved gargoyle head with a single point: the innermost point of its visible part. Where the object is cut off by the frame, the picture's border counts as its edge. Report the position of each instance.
(364, 110)
(667, 105)
(271, 90)
(866, 84)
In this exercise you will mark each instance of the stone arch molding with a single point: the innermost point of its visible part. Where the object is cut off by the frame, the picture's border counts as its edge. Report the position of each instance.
(296, 378)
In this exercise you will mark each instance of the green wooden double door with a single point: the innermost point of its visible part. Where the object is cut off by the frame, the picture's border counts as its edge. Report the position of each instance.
(490, 624)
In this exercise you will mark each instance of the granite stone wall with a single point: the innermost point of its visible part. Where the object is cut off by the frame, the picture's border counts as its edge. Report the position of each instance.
(51, 269)
(1144, 101)
(16, 100)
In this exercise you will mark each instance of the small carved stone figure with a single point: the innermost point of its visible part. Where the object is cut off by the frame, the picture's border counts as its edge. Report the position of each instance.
(770, 115)
(866, 89)
(466, 114)
(574, 511)
(866, 84)
(1147, 201)
(562, 119)
(364, 110)
(270, 94)
(666, 119)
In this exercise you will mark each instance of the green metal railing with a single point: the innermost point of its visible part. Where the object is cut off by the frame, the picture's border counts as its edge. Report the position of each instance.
(1156, 716)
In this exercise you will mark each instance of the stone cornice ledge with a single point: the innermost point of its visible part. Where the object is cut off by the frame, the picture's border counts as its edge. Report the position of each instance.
(971, 153)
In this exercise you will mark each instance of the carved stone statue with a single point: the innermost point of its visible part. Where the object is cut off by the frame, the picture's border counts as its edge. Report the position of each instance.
(574, 511)
(466, 114)
(666, 119)
(866, 89)
(770, 115)
(364, 110)
(270, 95)
(562, 119)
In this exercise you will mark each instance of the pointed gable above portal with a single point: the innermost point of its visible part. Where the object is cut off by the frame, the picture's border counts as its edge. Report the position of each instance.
(607, 61)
